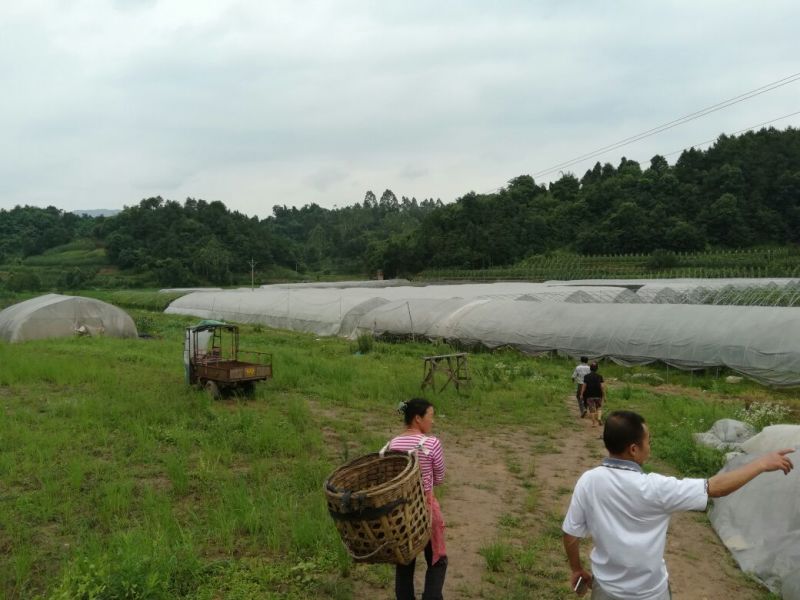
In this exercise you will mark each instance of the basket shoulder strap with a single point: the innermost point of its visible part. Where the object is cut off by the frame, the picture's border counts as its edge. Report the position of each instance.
(420, 447)
(383, 450)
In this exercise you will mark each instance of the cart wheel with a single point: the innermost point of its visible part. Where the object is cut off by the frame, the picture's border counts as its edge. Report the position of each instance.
(244, 390)
(213, 390)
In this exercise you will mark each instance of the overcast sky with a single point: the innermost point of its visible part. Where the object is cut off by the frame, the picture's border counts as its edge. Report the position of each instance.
(257, 102)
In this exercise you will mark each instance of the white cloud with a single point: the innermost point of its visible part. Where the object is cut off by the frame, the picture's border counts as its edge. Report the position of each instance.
(289, 102)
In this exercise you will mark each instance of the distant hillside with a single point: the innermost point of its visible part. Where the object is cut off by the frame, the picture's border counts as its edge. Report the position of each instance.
(742, 192)
(96, 212)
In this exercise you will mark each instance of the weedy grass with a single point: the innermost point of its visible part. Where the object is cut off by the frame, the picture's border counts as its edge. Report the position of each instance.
(80, 257)
(118, 481)
(146, 300)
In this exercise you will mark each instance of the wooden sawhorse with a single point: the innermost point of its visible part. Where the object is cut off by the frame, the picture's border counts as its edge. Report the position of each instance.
(454, 366)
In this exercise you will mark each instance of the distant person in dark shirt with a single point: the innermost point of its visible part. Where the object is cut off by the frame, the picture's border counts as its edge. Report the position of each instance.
(593, 392)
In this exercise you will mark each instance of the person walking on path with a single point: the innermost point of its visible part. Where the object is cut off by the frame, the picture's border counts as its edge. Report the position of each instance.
(580, 371)
(418, 416)
(593, 394)
(626, 512)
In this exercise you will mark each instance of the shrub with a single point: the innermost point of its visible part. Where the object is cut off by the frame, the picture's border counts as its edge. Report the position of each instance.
(662, 259)
(365, 342)
(23, 280)
(75, 278)
(144, 324)
(762, 414)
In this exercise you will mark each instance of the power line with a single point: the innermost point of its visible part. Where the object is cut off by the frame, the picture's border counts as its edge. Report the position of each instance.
(700, 143)
(674, 123)
(736, 132)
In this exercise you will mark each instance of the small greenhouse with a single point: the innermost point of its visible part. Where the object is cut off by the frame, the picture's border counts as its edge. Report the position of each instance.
(54, 315)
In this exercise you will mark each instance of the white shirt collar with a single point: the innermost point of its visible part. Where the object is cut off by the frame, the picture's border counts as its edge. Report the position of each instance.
(625, 465)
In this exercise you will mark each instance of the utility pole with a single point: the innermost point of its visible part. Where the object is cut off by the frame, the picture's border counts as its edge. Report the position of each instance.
(252, 275)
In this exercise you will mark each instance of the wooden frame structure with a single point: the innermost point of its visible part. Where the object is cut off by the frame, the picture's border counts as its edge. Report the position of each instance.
(453, 366)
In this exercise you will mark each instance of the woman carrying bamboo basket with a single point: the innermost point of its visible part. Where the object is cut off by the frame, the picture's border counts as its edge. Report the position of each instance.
(418, 417)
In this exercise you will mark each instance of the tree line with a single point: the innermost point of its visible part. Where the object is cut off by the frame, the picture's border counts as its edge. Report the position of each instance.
(743, 191)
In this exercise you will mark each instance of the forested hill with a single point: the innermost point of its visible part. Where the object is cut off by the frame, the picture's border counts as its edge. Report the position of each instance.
(741, 192)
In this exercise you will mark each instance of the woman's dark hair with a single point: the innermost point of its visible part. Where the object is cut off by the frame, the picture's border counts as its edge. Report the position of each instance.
(412, 408)
(622, 429)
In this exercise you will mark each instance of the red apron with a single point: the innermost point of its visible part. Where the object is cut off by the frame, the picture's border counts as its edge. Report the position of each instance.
(437, 528)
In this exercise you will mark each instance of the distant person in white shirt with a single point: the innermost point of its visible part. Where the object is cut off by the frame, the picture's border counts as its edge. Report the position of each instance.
(627, 511)
(578, 374)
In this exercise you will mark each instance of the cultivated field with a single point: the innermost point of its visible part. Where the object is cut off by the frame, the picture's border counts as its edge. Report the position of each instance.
(770, 262)
(118, 481)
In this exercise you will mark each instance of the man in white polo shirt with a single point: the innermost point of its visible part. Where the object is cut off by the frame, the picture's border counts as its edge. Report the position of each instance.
(627, 512)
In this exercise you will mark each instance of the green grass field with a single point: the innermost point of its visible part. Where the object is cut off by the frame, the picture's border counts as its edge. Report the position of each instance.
(118, 481)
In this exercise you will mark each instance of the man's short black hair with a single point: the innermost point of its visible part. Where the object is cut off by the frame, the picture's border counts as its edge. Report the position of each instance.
(593, 367)
(584, 359)
(623, 428)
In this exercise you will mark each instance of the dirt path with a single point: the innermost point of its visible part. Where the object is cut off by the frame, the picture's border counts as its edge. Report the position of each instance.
(486, 481)
(479, 487)
(699, 565)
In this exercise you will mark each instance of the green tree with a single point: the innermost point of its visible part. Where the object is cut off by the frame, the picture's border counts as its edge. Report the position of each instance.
(724, 223)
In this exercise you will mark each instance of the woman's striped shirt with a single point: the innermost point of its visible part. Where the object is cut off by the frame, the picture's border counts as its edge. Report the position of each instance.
(431, 457)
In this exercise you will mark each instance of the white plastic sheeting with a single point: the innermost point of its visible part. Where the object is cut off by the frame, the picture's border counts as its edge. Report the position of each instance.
(736, 291)
(337, 311)
(759, 342)
(717, 282)
(582, 295)
(315, 311)
(371, 283)
(717, 291)
(186, 290)
(774, 437)
(760, 523)
(726, 434)
(54, 315)
(755, 341)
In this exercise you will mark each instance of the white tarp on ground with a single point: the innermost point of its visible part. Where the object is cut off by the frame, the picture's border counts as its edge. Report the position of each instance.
(760, 523)
(54, 315)
(725, 434)
(760, 342)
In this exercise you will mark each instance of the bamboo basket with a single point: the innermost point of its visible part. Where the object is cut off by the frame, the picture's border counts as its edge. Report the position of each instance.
(378, 506)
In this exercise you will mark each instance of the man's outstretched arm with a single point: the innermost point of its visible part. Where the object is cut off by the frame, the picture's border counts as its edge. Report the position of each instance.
(725, 483)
